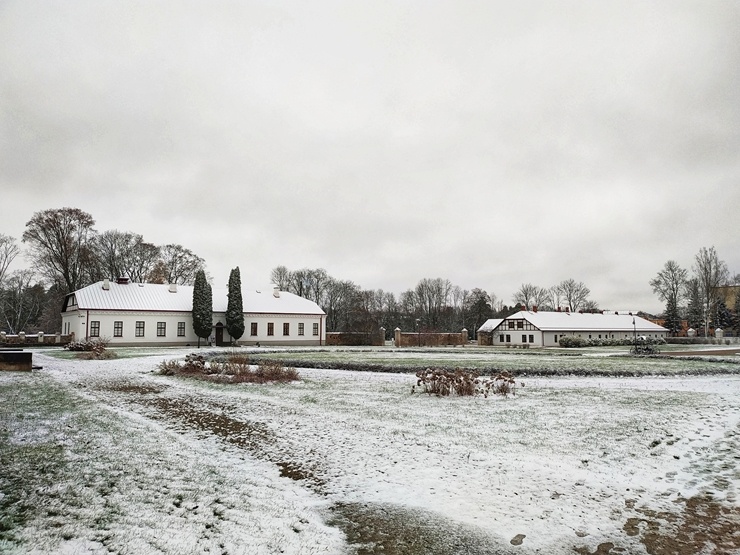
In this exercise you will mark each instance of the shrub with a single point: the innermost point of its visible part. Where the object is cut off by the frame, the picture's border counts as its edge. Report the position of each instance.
(168, 367)
(274, 371)
(466, 383)
(235, 369)
(91, 349)
(571, 341)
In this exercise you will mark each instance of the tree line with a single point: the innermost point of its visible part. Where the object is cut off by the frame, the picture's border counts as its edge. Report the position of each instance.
(66, 254)
(699, 297)
(433, 305)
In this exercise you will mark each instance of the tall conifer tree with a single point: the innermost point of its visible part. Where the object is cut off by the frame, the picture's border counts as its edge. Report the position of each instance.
(202, 306)
(235, 308)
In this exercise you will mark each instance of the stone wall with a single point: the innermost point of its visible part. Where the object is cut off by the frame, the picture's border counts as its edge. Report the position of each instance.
(35, 339)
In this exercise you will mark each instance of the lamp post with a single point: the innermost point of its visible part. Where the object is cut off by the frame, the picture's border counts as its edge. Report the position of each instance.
(634, 328)
(418, 331)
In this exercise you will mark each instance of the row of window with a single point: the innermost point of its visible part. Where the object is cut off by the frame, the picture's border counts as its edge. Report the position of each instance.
(254, 330)
(520, 325)
(139, 329)
(162, 329)
(507, 338)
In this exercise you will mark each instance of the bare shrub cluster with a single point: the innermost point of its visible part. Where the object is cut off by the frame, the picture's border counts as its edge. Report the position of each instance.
(465, 383)
(235, 369)
(91, 349)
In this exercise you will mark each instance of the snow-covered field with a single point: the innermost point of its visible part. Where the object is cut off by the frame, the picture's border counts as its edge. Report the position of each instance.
(110, 457)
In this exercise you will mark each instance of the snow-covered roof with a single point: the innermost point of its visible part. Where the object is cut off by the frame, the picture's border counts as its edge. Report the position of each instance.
(574, 321)
(157, 297)
(490, 324)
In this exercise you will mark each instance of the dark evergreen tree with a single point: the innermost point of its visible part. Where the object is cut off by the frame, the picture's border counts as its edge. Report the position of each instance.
(672, 317)
(235, 308)
(694, 312)
(202, 306)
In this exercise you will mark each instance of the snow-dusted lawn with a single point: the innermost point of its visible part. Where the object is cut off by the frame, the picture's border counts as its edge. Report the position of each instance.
(108, 456)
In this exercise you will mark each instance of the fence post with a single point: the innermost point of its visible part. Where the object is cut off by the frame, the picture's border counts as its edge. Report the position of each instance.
(41, 336)
(464, 336)
(397, 336)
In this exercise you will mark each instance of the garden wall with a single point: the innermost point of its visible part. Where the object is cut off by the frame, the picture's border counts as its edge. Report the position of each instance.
(348, 339)
(426, 339)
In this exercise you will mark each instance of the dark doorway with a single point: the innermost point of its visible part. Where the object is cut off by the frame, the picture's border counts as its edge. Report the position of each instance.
(219, 334)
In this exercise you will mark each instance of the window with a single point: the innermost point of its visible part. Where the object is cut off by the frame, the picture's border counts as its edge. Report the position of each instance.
(501, 338)
(520, 324)
(286, 328)
(181, 329)
(300, 328)
(508, 338)
(531, 338)
(316, 329)
(253, 328)
(511, 324)
(270, 328)
(118, 328)
(94, 328)
(139, 329)
(161, 329)
(524, 338)
(555, 338)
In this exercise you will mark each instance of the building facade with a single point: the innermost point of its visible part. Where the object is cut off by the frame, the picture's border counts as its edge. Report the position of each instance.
(126, 313)
(545, 329)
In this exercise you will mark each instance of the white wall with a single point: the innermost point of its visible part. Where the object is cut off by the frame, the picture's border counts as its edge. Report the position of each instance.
(79, 323)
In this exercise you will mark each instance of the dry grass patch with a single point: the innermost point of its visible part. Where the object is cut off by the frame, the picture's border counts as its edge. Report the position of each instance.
(235, 369)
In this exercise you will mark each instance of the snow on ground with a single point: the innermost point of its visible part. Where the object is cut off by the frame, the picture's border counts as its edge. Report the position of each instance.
(155, 464)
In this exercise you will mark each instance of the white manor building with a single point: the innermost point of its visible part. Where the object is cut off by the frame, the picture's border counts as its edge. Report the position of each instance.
(544, 329)
(126, 313)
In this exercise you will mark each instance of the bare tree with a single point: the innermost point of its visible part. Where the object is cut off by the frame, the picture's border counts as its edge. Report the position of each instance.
(574, 293)
(711, 273)
(21, 302)
(60, 245)
(177, 265)
(525, 295)
(530, 295)
(280, 276)
(670, 286)
(122, 253)
(8, 251)
(432, 296)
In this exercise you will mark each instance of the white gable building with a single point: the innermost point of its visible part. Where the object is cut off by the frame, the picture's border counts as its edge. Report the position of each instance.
(127, 313)
(544, 329)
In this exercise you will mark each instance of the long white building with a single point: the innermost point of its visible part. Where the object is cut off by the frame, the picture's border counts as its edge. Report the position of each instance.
(545, 329)
(127, 313)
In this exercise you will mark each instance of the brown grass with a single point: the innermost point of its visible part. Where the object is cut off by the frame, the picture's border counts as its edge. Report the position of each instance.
(236, 369)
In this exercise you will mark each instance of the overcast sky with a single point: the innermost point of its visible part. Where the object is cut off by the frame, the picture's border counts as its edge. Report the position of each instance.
(488, 143)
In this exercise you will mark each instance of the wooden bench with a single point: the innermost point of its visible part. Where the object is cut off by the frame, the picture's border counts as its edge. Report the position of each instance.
(16, 360)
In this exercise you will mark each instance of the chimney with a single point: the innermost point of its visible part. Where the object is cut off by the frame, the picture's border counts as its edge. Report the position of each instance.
(534, 308)
(106, 284)
(173, 288)
(276, 292)
(122, 280)
(567, 309)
